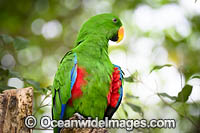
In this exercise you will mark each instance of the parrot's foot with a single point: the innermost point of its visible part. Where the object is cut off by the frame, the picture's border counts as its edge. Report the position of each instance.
(79, 116)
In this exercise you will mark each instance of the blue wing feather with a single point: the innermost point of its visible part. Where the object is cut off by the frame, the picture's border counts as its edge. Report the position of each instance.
(73, 80)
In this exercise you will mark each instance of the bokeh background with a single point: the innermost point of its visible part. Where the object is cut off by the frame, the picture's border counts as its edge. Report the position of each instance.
(159, 55)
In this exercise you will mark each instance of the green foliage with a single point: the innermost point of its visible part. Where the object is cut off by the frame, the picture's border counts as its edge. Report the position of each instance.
(6, 74)
(18, 42)
(5, 87)
(131, 96)
(184, 94)
(132, 78)
(160, 67)
(37, 86)
(6, 39)
(168, 96)
(124, 110)
(136, 108)
(195, 76)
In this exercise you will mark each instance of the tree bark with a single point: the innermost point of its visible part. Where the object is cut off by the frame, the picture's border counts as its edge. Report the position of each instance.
(15, 105)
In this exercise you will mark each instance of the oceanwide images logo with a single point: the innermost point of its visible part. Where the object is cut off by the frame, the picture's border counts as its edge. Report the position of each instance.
(129, 124)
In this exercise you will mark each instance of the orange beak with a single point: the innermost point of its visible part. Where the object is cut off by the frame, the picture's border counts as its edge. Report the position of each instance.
(120, 34)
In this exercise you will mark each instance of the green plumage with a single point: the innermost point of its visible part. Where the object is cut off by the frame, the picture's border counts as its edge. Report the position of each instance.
(91, 48)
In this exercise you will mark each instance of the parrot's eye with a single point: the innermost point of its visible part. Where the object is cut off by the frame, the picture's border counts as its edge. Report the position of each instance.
(114, 20)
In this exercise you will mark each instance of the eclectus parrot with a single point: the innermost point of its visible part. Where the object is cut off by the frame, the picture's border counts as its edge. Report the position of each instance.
(86, 81)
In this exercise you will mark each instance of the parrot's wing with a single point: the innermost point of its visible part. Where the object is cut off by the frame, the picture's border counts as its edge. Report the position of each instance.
(63, 83)
(116, 92)
(121, 86)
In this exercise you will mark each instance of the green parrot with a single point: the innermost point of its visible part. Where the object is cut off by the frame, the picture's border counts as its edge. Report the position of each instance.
(86, 81)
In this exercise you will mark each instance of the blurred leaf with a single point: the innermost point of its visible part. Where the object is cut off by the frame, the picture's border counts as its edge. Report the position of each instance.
(5, 87)
(49, 87)
(160, 67)
(3, 72)
(37, 87)
(168, 96)
(132, 77)
(8, 74)
(195, 76)
(184, 94)
(46, 89)
(33, 83)
(125, 112)
(136, 108)
(6, 38)
(4, 76)
(15, 74)
(129, 79)
(20, 43)
(131, 96)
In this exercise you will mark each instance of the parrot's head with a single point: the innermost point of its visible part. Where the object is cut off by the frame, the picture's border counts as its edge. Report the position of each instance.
(104, 25)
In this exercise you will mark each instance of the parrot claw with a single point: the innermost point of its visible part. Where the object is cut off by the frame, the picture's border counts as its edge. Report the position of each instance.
(79, 116)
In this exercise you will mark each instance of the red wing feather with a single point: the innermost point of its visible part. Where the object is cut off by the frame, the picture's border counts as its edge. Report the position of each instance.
(76, 90)
(114, 94)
